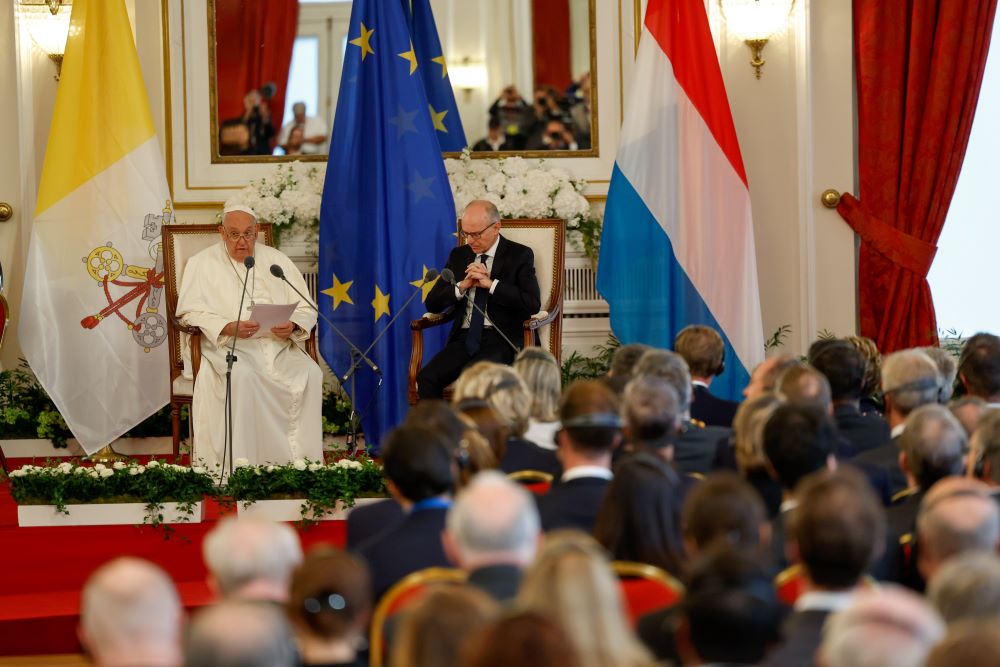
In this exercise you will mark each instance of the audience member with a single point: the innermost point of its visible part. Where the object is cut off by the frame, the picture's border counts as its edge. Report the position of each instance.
(234, 137)
(947, 369)
(979, 368)
(886, 627)
(703, 350)
(844, 368)
(695, 446)
(515, 116)
(909, 380)
(524, 639)
(803, 385)
(984, 451)
(967, 587)
(490, 424)
(257, 117)
(572, 583)
(747, 449)
(436, 629)
(495, 139)
(329, 605)
(542, 374)
(651, 417)
(590, 432)
(765, 374)
(239, 634)
(579, 111)
(640, 517)
(420, 468)
(730, 613)
(836, 531)
(251, 559)
(130, 614)
(553, 135)
(956, 516)
(871, 400)
(312, 129)
(967, 410)
(969, 644)
(623, 362)
(492, 532)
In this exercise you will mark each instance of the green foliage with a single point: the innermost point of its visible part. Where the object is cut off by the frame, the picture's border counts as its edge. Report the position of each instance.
(579, 367)
(26, 411)
(778, 338)
(952, 341)
(336, 412)
(585, 233)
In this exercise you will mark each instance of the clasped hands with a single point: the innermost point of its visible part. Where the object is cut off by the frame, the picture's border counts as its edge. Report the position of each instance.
(476, 275)
(248, 328)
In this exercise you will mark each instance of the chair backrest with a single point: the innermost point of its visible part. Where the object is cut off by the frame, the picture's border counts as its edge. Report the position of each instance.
(547, 238)
(401, 595)
(536, 481)
(645, 588)
(180, 243)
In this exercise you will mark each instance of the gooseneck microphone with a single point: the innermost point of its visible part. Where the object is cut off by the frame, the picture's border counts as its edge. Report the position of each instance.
(278, 272)
(448, 276)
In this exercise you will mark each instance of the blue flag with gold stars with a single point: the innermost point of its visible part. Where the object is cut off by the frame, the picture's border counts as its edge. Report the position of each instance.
(437, 83)
(387, 214)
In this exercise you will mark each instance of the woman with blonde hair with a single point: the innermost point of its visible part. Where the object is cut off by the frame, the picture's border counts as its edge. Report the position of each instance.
(748, 445)
(507, 393)
(542, 373)
(871, 400)
(571, 582)
(435, 630)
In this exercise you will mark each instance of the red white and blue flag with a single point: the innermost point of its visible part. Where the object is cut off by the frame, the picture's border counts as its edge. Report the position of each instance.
(677, 246)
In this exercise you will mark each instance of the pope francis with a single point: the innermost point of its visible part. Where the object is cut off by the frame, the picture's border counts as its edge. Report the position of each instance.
(276, 387)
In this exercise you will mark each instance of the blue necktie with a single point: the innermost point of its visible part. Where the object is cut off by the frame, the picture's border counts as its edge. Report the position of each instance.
(475, 334)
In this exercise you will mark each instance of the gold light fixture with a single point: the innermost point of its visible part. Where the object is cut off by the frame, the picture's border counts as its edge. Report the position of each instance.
(755, 22)
(48, 24)
(467, 75)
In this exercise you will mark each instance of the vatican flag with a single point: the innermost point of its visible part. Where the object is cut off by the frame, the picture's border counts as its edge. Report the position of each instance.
(93, 325)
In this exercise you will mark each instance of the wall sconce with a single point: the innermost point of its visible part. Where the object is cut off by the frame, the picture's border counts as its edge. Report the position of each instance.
(755, 22)
(47, 22)
(467, 76)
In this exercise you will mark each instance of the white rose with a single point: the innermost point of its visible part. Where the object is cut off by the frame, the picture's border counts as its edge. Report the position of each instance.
(94, 473)
(496, 183)
(242, 462)
(18, 473)
(65, 466)
(198, 470)
(153, 463)
(118, 465)
(99, 467)
(299, 464)
(80, 471)
(107, 472)
(515, 166)
(269, 469)
(313, 467)
(134, 471)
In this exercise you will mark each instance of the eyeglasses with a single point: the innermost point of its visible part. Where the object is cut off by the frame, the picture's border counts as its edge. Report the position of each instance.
(248, 235)
(464, 235)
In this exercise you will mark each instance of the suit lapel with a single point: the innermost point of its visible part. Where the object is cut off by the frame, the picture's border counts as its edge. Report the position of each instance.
(501, 257)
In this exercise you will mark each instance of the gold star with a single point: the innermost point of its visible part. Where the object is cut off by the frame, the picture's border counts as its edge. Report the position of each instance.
(410, 55)
(364, 41)
(425, 287)
(438, 118)
(339, 292)
(380, 303)
(443, 63)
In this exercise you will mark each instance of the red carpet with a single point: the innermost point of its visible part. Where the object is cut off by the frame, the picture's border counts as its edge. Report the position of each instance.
(43, 570)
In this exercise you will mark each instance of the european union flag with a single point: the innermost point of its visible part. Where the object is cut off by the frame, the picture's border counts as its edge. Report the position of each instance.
(437, 83)
(387, 214)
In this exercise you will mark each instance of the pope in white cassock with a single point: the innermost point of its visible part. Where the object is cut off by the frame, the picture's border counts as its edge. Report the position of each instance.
(277, 387)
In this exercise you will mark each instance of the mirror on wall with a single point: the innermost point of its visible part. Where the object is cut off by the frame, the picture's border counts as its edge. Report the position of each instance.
(521, 72)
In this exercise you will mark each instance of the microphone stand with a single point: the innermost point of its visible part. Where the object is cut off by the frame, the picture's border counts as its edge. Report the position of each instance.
(227, 447)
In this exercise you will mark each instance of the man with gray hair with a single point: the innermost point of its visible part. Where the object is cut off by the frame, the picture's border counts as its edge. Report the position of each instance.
(492, 531)
(251, 559)
(130, 615)
(967, 587)
(910, 379)
(696, 444)
(956, 516)
(623, 362)
(651, 417)
(239, 634)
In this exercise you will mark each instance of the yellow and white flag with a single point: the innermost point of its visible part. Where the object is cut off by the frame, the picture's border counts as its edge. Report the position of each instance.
(93, 325)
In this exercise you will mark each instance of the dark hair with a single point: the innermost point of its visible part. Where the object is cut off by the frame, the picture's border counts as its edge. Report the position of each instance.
(723, 508)
(625, 357)
(842, 365)
(438, 416)
(798, 440)
(838, 525)
(639, 519)
(979, 365)
(585, 398)
(418, 461)
(490, 424)
(731, 607)
(434, 629)
(330, 592)
(494, 123)
(526, 639)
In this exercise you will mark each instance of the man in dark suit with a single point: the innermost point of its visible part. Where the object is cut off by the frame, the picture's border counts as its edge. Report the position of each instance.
(703, 350)
(419, 466)
(589, 434)
(837, 527)
(494, 274)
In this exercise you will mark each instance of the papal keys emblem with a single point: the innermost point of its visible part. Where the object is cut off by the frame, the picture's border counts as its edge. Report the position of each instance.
(106, 265)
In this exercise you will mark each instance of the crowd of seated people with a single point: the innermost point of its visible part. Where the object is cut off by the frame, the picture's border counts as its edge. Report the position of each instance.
(816, 522)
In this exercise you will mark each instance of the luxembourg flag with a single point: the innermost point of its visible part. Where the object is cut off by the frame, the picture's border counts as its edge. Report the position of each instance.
(677, 246)
(93, 322)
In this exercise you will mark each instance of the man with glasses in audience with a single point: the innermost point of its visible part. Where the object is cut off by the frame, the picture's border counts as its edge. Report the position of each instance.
(276, 387)
(498, 276)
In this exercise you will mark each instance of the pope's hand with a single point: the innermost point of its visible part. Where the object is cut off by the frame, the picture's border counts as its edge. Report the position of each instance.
(283, 331)
(247, 328)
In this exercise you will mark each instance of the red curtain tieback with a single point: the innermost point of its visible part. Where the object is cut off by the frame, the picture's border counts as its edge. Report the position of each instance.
(905, 250)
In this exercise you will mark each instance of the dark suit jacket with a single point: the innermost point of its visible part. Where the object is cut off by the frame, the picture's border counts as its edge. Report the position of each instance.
(656, 631)
(779, 535)
(500, 582)
(572, 504)
(515, 299)
(802, 632)
(864, 431)
(901, 519)
(709, 408)
(364, 523)
(523, 454)
(412, 544)
(695, 447)
(886, 456)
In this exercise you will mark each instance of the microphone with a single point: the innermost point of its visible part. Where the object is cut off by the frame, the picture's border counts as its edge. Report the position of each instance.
(249, 261)
(227, 446)
(449, 277)
(278, 272)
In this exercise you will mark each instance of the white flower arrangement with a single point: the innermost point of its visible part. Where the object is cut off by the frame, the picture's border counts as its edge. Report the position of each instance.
(289, 196)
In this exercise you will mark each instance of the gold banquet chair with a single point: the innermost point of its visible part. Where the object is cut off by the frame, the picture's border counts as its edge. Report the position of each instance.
(547, 239)
(180, 243)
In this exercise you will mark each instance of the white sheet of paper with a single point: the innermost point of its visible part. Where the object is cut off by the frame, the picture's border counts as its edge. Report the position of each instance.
(269, 315)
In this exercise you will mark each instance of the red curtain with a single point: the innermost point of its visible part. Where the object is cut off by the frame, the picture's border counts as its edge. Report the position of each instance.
(550, 41)
(919, 68)
(253, 46)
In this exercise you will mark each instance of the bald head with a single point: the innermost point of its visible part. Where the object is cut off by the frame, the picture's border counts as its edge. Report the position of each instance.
(805, 386)
(933, 445)
(958, 515)
(909, 379)
(493, 521)
(239, 634)
(130, 614)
